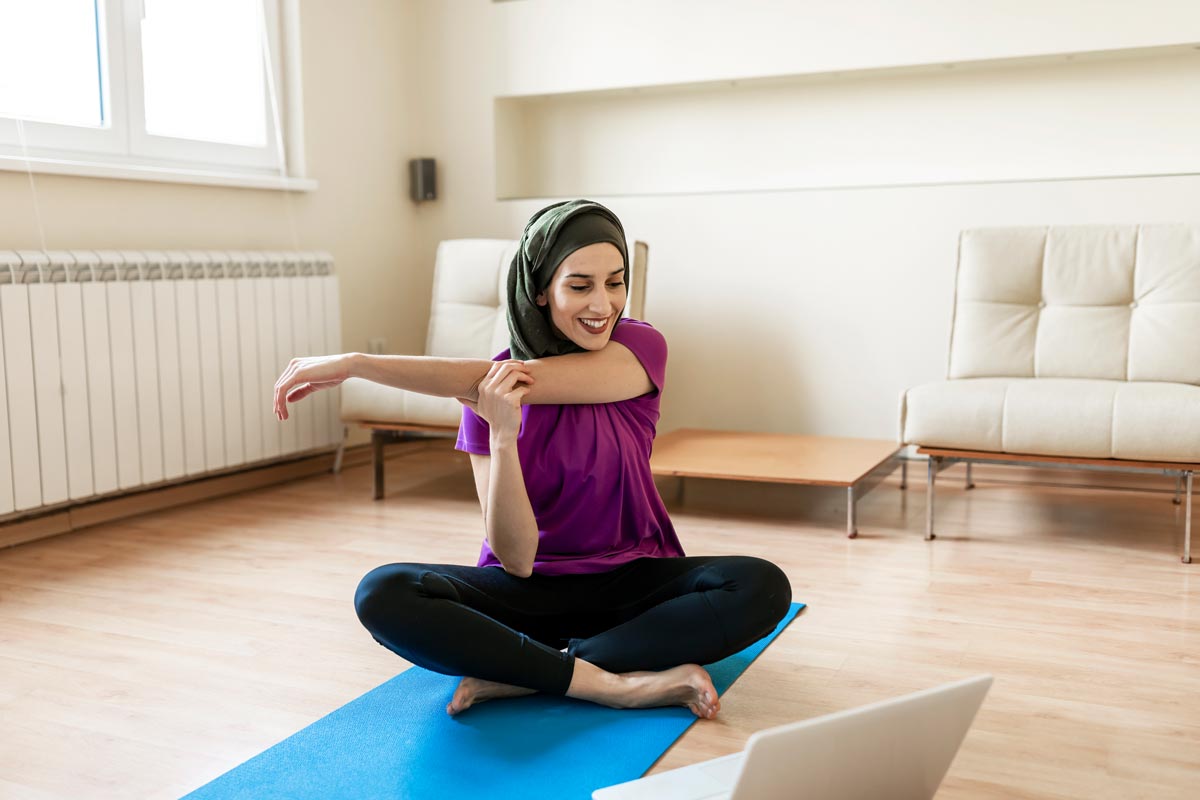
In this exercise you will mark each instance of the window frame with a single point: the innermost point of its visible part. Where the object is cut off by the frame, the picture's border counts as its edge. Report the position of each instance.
(123, 148)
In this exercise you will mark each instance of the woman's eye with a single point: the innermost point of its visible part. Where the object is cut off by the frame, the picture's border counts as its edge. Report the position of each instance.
(579, 288)
(616, 285)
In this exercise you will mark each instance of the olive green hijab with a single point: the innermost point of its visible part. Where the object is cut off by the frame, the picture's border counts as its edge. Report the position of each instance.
(550, 236)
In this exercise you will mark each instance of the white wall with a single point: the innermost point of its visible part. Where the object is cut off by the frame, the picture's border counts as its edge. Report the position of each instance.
(796, 311)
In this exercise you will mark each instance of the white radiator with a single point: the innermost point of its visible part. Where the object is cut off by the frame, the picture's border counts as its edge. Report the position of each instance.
(128, 369)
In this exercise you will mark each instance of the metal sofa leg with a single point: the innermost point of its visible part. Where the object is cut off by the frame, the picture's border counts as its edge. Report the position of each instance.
(1178, 486)
(903, 473)
(1187, 521)
(339, 454)
(970, 483)
(377, 440)
(934, 463)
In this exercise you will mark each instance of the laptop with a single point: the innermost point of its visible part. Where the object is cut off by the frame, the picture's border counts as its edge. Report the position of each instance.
(898, 749)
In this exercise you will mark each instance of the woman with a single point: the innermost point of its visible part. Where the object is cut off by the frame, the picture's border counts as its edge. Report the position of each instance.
(581, 587)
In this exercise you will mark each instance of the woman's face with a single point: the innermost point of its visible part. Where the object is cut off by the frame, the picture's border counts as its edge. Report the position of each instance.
(587, 295)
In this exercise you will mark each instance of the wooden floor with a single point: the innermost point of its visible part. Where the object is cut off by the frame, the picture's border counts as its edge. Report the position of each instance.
(141, 659)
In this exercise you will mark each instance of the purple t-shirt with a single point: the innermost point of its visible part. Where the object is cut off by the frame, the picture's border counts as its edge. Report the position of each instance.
(587, 472)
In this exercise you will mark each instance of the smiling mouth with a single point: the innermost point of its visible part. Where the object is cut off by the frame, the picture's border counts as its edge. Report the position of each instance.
(594, 325)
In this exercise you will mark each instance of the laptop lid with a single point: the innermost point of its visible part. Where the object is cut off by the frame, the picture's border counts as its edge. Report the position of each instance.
(899, 749)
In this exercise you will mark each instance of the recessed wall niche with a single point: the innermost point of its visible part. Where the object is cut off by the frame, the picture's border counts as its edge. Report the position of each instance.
(1113, 113)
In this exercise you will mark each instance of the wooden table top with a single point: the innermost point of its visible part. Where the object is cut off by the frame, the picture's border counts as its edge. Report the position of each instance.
(769, 457)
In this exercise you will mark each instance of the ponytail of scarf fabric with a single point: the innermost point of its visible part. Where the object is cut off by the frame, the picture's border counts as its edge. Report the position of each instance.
(550, 236)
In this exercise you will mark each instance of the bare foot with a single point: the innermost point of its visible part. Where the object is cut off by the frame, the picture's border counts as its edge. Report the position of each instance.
(688, 685)
(471, 691)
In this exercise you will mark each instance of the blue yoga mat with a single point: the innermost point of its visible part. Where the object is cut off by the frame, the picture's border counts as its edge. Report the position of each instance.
(397, 742)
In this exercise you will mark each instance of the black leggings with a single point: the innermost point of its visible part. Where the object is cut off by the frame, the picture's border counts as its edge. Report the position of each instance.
(649, 614)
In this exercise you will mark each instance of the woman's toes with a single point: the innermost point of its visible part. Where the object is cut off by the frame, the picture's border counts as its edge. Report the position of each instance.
(461, 699)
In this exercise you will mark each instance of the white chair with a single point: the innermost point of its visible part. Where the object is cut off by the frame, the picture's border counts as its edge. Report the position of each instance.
(467, 319)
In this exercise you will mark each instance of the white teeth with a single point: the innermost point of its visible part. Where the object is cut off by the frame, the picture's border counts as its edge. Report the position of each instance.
(596, 325)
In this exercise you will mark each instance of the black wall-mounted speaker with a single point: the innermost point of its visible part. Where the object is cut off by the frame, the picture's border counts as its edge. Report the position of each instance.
(422, 179)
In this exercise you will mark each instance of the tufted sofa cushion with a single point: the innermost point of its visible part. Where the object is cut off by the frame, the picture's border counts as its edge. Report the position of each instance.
(1111, 303)
(1070, 341)
(1081, 418)
(468, 315)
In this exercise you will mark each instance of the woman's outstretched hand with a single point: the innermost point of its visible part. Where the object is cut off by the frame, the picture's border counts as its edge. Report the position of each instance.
(500, 395)
(304, 376)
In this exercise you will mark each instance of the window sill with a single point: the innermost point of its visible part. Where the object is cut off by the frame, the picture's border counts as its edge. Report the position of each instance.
(128, 172)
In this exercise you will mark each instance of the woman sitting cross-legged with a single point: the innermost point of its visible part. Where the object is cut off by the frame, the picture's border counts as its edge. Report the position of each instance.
(582, 587)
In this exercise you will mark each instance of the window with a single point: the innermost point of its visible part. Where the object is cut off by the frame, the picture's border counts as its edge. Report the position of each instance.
(164, 87)
(50, 61)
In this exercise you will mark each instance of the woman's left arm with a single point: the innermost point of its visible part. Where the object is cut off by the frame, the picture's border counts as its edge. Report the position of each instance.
(608, 375)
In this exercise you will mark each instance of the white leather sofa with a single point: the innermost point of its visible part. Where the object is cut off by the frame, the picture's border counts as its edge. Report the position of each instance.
(467, 319)
(1079, 345)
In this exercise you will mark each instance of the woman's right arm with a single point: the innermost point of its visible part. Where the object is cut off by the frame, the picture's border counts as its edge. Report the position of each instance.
(493, 389)
(442, 377)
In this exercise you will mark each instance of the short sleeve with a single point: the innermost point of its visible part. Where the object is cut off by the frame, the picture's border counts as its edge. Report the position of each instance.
(648, 345)
(473, 434)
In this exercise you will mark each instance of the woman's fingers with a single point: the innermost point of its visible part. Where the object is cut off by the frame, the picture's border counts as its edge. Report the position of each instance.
(504, 374)
(523, 369)
(505, 367)
(282, 390)
(283, 386)
(500, 394)
(303, 390)
(516, 395)
(303, 376)
(510, 378)
(300, 392)
(493, 372)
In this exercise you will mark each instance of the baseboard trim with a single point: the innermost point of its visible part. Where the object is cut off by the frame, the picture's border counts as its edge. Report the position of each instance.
(84, 514)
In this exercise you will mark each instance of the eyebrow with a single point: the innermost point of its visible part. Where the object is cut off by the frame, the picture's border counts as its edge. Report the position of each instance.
(589, 277)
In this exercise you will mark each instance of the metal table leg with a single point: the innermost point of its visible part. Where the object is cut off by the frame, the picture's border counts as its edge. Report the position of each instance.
(934, 463)
(851, 518)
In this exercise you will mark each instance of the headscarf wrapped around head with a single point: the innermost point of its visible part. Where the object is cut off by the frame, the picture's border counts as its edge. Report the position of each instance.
(550, 236)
